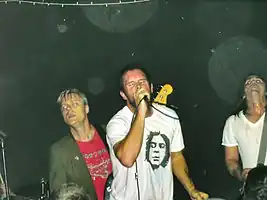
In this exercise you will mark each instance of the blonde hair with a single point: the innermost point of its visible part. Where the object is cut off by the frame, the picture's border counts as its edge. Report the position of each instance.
(66, 92)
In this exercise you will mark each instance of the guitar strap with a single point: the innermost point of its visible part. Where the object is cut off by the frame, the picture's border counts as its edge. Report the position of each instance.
(263, 144)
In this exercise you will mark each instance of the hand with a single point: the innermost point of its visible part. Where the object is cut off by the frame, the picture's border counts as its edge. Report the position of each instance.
(197, 195)
(138, 96)
(245, 173)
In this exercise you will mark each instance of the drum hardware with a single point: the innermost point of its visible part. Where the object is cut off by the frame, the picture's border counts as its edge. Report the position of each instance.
(45, 193)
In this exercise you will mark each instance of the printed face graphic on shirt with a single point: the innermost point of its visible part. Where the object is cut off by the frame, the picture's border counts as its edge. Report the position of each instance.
(157, 150)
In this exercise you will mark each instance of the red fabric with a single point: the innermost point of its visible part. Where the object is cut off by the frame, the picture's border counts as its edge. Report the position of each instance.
(98, 162)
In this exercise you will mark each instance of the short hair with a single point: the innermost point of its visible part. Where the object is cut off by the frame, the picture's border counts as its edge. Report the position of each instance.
(256, 184)
(66, 92)
(72, 191)
(131, 67)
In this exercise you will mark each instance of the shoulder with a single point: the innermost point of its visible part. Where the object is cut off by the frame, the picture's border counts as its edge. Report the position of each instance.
(101, 130)
(122, 117)
(61, 143)
(169, 113)
(164, 108)
(233, 118)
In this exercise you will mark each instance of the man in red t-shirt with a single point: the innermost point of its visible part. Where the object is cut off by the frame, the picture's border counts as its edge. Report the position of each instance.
(81, 157)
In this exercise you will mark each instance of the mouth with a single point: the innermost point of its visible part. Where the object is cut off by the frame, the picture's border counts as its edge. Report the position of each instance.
(71, 116)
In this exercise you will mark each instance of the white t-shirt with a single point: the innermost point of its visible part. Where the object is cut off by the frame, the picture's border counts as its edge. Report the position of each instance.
(239, 131)
(162, 135)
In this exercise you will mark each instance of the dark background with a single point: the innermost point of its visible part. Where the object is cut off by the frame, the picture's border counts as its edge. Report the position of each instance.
(203, 49)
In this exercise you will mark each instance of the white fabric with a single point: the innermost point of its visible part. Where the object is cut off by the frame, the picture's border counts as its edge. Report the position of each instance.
(154, 184)
(239, 131)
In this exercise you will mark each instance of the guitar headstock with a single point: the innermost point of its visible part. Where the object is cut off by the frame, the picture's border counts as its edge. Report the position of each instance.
(161, 97)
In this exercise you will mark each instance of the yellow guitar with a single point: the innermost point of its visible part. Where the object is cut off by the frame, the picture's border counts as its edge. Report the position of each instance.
(161, 97)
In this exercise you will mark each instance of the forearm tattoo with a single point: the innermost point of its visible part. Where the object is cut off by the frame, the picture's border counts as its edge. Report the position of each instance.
(235, 171)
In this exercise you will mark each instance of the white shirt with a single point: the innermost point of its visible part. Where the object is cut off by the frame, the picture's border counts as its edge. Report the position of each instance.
(239, 131)
(162, 135)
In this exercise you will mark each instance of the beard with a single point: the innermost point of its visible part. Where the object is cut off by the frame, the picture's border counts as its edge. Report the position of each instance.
(131, 100)
(133, 104)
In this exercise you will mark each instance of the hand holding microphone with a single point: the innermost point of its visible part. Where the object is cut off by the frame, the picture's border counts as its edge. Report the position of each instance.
(141, 98)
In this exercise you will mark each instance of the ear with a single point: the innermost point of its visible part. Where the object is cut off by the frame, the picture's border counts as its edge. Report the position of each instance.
(87, 109)
(151, 88)
(123, 95)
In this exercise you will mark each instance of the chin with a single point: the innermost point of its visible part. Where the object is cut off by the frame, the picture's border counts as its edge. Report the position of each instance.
(72, 123)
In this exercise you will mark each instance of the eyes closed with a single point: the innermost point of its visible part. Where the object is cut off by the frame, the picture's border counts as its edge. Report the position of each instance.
(132, 84)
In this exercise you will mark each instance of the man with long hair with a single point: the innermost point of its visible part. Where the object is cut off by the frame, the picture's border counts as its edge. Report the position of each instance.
(242, 130)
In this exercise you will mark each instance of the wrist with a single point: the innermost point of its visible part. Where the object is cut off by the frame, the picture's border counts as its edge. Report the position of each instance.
(190, 189)
(142, 111)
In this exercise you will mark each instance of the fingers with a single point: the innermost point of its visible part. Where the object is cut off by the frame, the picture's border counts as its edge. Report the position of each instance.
(204, 195)
(200, 196)
(139, 95)
(245, 173)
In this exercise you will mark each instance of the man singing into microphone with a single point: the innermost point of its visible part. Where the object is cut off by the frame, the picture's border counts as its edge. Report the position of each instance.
(146, 146)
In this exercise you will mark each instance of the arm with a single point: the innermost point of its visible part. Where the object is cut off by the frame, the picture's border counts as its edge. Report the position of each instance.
(179, 166)
(128, 149)
(231, 148)
(232, 162)
(180, 170)
(57, 175)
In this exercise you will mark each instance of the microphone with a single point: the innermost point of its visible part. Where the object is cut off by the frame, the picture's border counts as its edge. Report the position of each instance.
(147, 100)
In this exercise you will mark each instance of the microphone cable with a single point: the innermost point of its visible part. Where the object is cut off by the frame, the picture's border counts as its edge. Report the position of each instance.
(133, 118)
(136, 169)
(176, 118)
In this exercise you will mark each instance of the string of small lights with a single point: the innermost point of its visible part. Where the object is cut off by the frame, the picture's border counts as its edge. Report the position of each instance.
(74, 4)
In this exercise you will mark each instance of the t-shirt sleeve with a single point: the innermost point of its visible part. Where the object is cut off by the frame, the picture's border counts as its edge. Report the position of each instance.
(177, 143)
(117, 130)
(228, 138)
